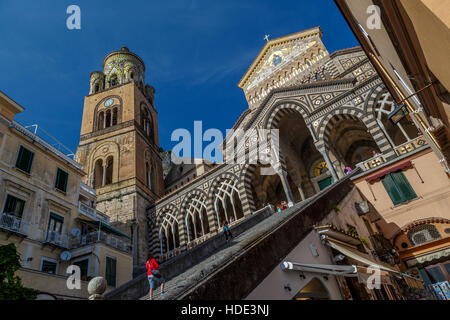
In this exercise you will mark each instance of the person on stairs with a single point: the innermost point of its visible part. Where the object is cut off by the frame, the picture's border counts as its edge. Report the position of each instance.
(153, 275)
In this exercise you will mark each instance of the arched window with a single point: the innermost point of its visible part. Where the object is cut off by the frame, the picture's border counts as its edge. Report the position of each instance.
(422, 234)
(114, 117)
(109, 171)
(131, 75)
(98, 174)
(147, 123)
(97, 88)
(101, 120)
(148, 172)
(108, 119)
(113, 80)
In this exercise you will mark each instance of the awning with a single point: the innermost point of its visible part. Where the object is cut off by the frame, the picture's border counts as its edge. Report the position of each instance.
(359, 256)
(336, 270)
(436, 255)
(393, 169)
(320, 268)
(105, 227)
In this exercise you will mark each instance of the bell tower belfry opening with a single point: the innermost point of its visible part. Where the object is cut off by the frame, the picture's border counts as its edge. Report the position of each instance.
(119, 145)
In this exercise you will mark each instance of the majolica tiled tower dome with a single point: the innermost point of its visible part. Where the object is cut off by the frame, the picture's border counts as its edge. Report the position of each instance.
(119, 145)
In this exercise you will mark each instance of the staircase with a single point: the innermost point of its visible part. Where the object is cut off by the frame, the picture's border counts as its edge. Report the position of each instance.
(231, 270)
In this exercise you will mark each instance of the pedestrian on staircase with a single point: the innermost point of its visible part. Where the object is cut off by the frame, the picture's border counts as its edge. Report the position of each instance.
(226, 230)
(154, 275)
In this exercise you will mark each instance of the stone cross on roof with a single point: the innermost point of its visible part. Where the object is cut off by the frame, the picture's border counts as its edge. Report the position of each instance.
(267, 37)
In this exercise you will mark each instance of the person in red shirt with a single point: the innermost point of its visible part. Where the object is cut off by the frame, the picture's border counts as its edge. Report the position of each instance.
(154, 275)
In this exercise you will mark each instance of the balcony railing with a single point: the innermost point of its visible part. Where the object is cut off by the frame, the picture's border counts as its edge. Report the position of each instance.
(87, 189)
(56, 238)
(92, 213)
(13, 223)
(103, 237)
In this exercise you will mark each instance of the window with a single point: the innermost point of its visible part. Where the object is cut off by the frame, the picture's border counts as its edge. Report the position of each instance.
(422, 234)
(84, 268)
(113, 80)
(110, 273)
(55, 223)
(61, 180)
(14, 206)
(24, 159)
(398, 187)
(49, 265)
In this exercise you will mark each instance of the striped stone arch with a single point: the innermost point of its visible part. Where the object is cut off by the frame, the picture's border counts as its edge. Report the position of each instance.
(169, 213)
(282, 108)
(372, 98)
(247, 172)
(216, 185)
(273, 119)
(201, 199)
(410, 225)
(348, 113)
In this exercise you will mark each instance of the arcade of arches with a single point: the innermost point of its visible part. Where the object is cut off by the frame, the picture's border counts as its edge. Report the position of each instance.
(307, 166)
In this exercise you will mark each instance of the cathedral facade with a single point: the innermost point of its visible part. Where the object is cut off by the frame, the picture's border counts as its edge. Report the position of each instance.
(331, 111)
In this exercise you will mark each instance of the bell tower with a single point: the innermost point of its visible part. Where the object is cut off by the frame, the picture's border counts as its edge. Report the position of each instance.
(119, 146)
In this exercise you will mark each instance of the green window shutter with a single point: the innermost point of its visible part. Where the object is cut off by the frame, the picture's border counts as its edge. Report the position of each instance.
(61, 180)
(110, 273)
(14, 206)
(404, 186)
(392, 189)
(24, 159)
(56, 217)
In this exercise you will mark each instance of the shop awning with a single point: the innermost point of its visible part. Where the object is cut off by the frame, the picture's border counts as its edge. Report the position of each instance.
(387, 171)
(359, 256)
(320, 268)
(104, 227)
(435, 255)
(336, 270)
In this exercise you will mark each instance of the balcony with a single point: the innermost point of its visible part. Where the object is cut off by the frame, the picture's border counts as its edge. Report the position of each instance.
(57, 239)
(101, 237)
(14, 224)
(92, 213)
(87, 189)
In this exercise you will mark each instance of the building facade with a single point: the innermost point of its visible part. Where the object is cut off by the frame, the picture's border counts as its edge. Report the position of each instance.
(50, 215)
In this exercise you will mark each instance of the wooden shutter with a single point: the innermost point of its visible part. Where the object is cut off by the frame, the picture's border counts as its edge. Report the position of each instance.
(110, 273)
(392, 189)
(404, 186)
(24, 159)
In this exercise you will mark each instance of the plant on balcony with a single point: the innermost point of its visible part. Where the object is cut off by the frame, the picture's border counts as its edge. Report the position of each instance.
(10, 285)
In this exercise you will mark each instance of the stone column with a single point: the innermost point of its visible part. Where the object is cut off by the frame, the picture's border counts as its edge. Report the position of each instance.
(329, 164)
(287, 189)
(302, 194)
(104, 175)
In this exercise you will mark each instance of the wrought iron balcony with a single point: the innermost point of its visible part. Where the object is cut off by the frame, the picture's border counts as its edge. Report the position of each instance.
(14, 224)
(103, 237)
(92, 213)
(58, 239)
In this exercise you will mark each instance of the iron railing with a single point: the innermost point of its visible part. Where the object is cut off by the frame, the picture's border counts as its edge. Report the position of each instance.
(14, 223)
(56, 238)
(92, 213)
(103, 237)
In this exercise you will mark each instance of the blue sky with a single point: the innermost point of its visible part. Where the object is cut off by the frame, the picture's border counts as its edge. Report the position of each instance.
(195, 52)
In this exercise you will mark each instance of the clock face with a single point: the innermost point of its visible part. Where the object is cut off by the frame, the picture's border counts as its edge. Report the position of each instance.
(108, 102)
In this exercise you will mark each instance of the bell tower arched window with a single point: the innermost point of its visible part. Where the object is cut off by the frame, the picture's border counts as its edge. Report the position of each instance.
(113, 80)
(146, 122)
(109, 171)
(114, 117)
